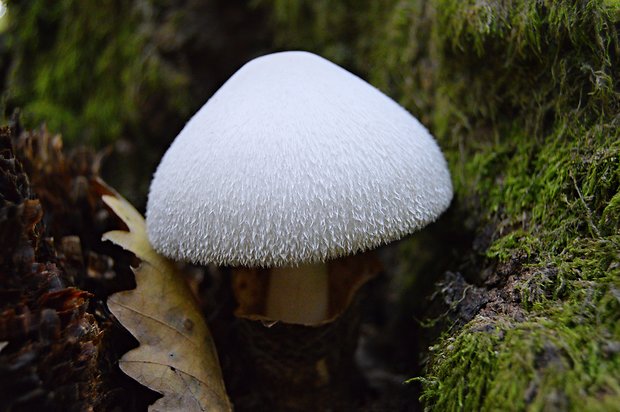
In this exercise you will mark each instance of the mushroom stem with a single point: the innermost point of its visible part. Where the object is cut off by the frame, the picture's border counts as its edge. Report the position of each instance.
(298, 294)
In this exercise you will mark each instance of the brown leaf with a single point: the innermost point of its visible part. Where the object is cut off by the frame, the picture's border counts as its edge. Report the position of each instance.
(176, 356)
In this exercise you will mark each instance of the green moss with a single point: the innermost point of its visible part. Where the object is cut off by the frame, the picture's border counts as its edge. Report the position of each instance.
(523, 97)
(538, 363)
(85, 69)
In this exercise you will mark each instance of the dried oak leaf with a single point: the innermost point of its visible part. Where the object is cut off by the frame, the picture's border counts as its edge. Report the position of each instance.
(176, 356)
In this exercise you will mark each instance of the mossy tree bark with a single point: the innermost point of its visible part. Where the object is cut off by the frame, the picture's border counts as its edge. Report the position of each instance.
(523, 98)
(128, 73)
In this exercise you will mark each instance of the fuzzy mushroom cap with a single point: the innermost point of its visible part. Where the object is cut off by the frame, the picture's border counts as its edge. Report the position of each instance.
(294, 160)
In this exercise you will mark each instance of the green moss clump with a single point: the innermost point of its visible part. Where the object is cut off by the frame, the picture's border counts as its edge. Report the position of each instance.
(524, 98)
(88, 70)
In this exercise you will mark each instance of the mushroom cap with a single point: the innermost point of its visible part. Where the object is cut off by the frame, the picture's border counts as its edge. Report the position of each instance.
(294, 160)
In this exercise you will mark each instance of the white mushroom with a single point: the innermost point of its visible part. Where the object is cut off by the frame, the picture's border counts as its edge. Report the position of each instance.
(294, 161)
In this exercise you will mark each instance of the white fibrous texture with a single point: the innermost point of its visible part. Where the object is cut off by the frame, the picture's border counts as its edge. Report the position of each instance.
(294, 160)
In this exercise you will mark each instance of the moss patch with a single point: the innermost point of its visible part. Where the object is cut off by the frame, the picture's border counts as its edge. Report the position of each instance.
(523, 98)
(124, 72)
(86, 70)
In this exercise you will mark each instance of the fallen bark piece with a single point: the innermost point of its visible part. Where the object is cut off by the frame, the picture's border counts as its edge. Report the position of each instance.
(176, 356)
(51, 352)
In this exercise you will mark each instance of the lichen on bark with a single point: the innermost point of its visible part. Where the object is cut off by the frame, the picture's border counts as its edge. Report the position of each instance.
(523, 98)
